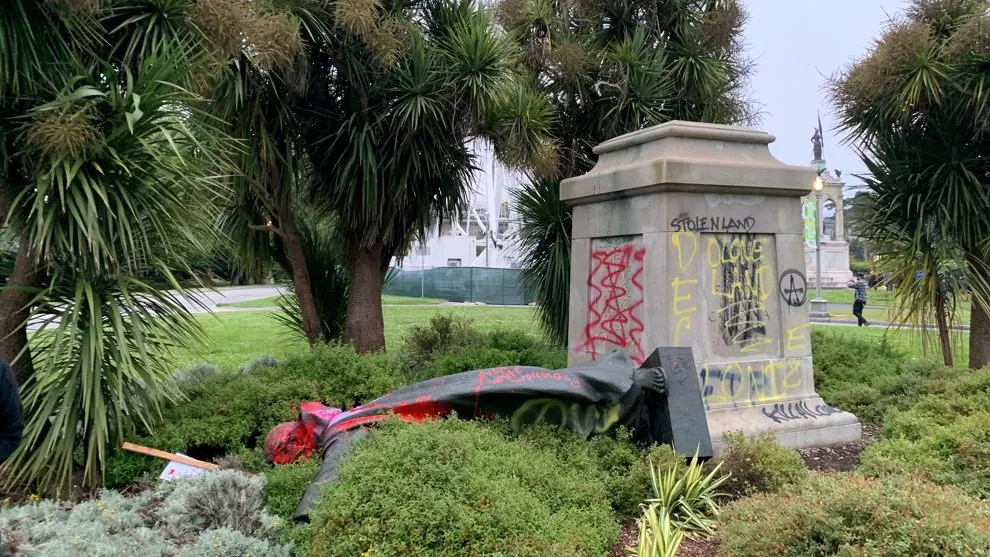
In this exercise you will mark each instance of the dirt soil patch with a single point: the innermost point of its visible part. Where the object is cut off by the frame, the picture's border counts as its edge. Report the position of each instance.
(839, 458)
(629, 536)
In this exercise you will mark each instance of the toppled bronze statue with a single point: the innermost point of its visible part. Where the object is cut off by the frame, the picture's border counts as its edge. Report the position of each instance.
(659, 402)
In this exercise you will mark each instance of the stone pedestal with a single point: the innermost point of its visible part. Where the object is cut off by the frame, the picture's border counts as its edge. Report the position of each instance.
(690, 234)
(835, 264)
(819, 308)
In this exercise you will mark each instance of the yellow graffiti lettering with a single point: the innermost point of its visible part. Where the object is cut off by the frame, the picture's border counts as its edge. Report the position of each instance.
(755, 345)
(748, 384)
(683, 288)
(792, 377)
(608, 419)
(687, 247)
(742, 281)
(714, 252)
(797, 338)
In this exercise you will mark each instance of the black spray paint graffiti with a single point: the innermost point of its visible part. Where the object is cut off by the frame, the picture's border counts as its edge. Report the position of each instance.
(712, 224)
(741, 275)
(793, 287)
(781, 413)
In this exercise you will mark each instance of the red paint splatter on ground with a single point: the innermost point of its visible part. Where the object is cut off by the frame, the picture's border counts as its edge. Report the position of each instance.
(614, 302)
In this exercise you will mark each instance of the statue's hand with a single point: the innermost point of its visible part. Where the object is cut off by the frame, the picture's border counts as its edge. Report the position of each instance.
(651, 380)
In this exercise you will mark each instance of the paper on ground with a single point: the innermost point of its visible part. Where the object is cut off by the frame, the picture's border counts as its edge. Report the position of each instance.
(179, 470)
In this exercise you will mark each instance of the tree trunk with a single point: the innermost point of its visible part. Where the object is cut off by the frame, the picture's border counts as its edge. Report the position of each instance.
(364, 325)
(979, 336)
(301, 281)
(941, 318)
(14, 312)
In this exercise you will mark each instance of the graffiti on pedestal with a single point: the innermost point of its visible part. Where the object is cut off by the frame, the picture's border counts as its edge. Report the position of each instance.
(742, 279)
(751, 383)
(615, 300)
(782, 413)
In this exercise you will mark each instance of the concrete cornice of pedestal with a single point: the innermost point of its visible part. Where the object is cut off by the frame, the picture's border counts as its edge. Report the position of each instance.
(691, 157)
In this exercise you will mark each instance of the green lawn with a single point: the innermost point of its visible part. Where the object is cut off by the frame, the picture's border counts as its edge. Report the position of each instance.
(235, 338)
(845, 296)
(272, 302)
(916, 344)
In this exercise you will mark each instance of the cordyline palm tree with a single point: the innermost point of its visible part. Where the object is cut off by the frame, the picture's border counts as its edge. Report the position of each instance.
(608, 68)
(111, 169)
(917, 106)
(258, 97)
(394, 96)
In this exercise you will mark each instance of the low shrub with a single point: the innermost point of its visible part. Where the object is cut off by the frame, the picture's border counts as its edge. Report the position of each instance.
(258, 363)
(459, 488)
(944, 438)
(850, 515)
(232, 412)
(757, 465)
(451, 345)
(443, 335)
(483, 357)
(286, 484)
(871, 378)
(217, 514)
(860, 267)
(627, 468)
(624, 467)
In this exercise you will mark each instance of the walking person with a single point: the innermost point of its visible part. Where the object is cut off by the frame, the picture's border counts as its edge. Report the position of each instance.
(861, 288)
(11, 417)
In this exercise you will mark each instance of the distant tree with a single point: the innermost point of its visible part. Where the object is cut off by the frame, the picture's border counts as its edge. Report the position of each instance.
(258, 98)
(608, 68)
(917, 107)
(394, 95)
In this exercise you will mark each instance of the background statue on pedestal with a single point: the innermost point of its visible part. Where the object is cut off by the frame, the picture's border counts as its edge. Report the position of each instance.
(816, 142)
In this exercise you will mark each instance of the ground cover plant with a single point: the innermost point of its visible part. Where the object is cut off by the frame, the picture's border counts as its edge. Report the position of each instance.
(469, 488)
(849, 515)
(218, 514)
(942, 438)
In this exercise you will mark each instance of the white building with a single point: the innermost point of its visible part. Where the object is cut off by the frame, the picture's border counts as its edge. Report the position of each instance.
(482, 236)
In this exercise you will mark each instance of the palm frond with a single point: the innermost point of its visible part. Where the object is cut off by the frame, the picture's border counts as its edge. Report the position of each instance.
(544, 241)
(103, 363)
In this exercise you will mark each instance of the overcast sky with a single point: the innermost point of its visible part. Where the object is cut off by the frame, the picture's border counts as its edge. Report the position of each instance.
(796, 44)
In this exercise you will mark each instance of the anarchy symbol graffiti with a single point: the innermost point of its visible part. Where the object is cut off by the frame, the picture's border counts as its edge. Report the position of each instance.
(793, 287)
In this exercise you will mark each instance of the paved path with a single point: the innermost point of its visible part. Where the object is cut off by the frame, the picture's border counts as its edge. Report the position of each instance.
(204, 301)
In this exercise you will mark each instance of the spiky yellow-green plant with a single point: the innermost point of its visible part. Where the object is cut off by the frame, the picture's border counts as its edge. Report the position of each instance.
(688, 496)
(658, 536)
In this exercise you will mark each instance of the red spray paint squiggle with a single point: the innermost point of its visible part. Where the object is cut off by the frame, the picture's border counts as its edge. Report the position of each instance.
(615, 301)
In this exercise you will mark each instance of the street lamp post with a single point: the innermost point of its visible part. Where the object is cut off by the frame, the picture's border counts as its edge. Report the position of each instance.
(819, 306)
